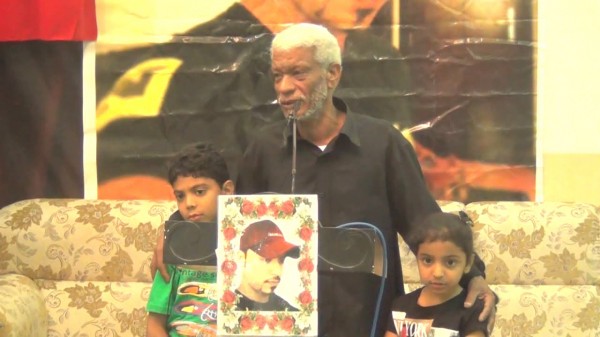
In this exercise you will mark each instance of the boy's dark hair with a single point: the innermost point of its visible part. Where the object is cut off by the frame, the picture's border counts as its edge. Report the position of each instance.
(442, 226)
(198, 160)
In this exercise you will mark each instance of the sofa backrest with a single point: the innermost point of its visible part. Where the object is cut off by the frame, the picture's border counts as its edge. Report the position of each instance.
(529, 243)
(81, 240)
(542, 259)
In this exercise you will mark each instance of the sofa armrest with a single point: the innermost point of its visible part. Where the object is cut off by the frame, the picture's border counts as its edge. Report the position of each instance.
(24, 314)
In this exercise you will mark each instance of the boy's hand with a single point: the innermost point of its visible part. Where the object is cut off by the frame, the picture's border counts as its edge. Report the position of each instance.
(478, 287)
(157, 258)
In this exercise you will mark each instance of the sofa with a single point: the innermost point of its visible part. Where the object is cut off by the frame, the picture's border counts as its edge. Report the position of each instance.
(82, 267)
(76, 267)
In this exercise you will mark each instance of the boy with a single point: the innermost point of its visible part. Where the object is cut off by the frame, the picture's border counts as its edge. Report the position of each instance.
(186, 305)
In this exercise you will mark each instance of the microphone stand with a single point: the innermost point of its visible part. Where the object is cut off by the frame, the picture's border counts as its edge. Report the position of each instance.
(293, 117)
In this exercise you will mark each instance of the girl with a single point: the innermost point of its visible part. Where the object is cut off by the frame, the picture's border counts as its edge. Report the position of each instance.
(443, 245)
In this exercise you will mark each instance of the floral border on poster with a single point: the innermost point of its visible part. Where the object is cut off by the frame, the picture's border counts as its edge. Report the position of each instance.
(234, 212)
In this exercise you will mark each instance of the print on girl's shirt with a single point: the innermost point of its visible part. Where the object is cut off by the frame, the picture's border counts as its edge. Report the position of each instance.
(411, 327)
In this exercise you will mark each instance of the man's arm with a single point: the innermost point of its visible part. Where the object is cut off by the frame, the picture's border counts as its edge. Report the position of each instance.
(408, 196)
(156, 325)
(249, 171)
(478, 287)
(157, 262)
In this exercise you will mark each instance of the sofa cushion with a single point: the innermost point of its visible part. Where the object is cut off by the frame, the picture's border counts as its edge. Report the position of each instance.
(82, 308)
(547, 310)
(22, 308)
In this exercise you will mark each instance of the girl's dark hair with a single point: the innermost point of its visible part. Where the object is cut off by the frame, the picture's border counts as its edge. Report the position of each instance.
(198, 160)
(442, 226)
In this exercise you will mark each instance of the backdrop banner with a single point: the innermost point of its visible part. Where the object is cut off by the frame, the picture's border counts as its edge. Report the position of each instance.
(456, 78)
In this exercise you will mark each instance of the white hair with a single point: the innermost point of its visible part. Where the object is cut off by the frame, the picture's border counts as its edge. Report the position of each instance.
(327, 49)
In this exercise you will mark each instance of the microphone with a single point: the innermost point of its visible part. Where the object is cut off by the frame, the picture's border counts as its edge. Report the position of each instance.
(294, 118)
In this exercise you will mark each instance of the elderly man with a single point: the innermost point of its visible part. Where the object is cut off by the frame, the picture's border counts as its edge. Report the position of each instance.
(361, 168)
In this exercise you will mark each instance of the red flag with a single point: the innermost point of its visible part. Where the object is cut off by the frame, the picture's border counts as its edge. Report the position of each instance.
(51, 20)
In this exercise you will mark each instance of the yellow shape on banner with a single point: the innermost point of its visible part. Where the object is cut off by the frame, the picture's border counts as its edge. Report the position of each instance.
(138, 93)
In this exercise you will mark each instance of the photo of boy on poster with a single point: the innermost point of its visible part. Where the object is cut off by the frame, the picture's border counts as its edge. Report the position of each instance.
(263, 251)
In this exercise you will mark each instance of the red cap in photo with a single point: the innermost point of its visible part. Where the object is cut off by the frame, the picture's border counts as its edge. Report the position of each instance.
(266, 239)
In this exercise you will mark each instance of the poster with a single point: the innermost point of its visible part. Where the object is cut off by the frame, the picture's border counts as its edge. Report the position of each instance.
(267, 258)
(456, 78)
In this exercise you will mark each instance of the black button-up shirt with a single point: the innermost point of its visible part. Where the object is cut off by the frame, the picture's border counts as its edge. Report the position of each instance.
(369, 173)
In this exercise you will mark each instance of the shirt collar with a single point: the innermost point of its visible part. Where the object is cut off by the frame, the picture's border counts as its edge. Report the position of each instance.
(349, 128)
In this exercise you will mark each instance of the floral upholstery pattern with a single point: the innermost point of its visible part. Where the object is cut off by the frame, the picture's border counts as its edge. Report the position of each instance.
(543, 261)
(89, 258)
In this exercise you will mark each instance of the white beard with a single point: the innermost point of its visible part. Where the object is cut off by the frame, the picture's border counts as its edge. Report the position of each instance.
(316, 102)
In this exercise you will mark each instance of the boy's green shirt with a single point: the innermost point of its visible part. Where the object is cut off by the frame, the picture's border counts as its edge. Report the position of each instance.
(189, 300)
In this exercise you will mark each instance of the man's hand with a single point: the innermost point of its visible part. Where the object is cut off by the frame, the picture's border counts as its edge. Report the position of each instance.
(156, 325)
(478, 288)
(157, 259)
